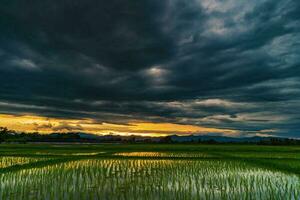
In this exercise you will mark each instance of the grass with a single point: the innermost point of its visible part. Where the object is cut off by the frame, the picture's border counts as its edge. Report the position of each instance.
(115, 171)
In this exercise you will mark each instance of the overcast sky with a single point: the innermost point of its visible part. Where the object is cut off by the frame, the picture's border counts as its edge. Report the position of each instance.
(217, 64)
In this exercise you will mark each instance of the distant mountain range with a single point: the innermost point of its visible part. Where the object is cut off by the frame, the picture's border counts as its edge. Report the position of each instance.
(82, 137)
(180, 139)
(222, 139)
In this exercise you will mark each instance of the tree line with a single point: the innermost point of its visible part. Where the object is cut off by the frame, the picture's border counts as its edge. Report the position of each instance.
(11, 136)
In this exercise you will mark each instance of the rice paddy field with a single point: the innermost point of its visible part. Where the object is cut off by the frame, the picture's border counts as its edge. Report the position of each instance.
(118, 171)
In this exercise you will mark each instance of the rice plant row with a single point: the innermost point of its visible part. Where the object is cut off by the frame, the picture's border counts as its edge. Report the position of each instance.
(148, 179)
(164, 154)
(8, 161)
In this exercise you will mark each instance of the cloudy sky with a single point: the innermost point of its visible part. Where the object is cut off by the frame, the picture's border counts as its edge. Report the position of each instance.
(152, 67)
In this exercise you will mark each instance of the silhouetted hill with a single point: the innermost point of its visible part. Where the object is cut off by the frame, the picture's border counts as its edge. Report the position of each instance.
(223, 139)
(81, 137)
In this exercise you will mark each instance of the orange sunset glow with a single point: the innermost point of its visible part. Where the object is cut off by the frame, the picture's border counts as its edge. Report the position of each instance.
(30, 123)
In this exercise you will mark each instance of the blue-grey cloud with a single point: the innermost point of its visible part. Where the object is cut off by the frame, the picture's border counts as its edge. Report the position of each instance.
(224, 64)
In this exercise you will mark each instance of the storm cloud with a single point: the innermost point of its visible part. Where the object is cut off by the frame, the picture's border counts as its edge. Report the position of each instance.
(216, 63)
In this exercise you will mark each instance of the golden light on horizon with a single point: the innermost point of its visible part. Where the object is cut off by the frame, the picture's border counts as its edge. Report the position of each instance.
(31, 123)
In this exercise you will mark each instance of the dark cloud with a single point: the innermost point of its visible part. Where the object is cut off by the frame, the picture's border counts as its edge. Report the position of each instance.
(224, 64)
(43, 126)
(64, 127)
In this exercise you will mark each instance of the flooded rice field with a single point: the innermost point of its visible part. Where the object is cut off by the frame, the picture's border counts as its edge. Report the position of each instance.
(138, 178)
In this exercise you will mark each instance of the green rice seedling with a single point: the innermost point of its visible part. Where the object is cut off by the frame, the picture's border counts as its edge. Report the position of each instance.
(149, 179)
(8, 161)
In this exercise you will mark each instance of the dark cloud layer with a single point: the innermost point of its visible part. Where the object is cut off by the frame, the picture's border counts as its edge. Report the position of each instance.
(223, 64)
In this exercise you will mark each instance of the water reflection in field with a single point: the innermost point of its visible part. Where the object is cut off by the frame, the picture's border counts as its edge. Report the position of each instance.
(8, 161)
(148, 179)
(164, 154)
(69, 154)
